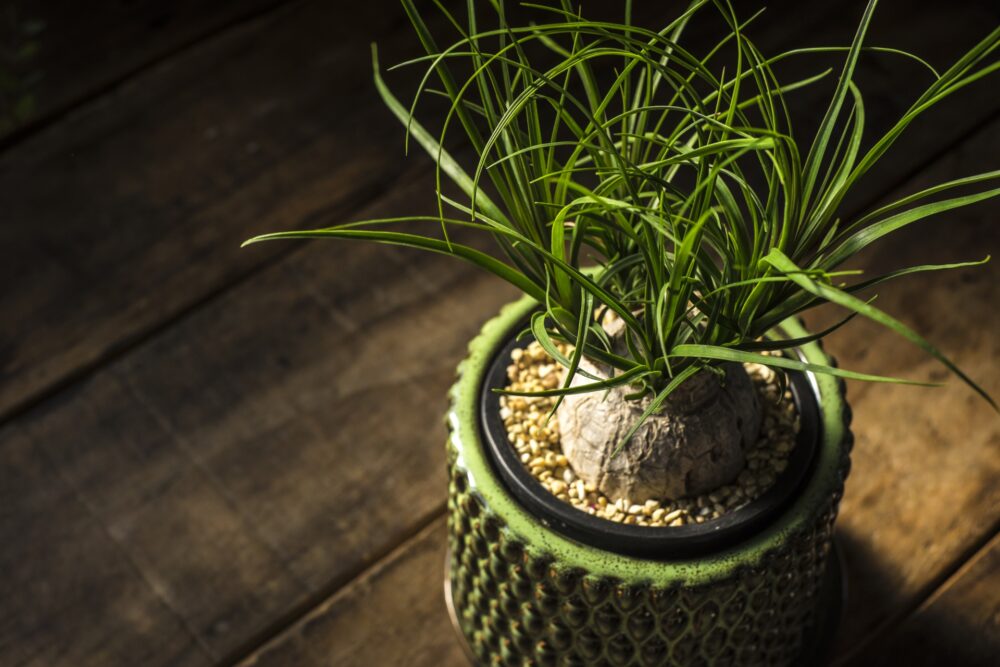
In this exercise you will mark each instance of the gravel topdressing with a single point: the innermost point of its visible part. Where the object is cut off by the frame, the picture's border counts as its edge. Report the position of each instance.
(537, 444)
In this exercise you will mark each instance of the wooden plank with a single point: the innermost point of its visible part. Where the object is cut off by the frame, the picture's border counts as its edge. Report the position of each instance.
(148, 191)
(59, 53)
(960, 625)
(922, 492)
(247, 461)
(924, 488)
(394, 614)
(48, 619)
(160, 179)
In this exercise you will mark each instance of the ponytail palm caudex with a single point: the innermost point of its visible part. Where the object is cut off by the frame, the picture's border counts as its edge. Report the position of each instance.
(659, 206)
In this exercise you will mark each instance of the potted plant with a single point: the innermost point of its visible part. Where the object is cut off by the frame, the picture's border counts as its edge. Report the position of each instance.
(647, 451)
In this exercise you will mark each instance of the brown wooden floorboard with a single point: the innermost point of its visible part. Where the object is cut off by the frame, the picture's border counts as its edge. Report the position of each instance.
(394, 614)
(922, 493)
(227, 474)
(69, 51)
(45, 619)
(261, 452)
(148, 191)
(960, 625)
(923, 488)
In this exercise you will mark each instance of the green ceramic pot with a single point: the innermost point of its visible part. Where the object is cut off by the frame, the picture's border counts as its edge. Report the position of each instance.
(524, 594)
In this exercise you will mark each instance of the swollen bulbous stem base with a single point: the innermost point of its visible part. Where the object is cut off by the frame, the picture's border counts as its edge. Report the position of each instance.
(694, 444)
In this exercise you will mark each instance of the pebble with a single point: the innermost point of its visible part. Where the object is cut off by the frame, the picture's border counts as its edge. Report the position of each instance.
(673, 515)
(536, 439)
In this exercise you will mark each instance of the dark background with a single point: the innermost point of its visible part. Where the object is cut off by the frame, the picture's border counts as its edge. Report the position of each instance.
(215, 456)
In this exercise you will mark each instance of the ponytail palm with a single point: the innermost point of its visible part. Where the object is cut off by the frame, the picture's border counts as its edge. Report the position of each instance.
(620, 172)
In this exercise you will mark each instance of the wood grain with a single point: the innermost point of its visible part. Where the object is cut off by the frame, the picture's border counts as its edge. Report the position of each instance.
(394, 614)
(263, 451)
(65, 575)
(73, 50)
(148, 191)
(960, 625)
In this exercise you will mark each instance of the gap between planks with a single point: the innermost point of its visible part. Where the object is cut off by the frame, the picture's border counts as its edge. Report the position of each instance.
(54, 115)
(359, 197)
(926, 597)
(358, 201)
(369, 568)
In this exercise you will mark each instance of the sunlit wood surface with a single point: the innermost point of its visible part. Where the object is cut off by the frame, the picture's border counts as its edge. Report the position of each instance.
(198, 463)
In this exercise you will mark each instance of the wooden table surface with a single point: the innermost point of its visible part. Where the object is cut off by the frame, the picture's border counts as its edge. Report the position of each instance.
(197, 463)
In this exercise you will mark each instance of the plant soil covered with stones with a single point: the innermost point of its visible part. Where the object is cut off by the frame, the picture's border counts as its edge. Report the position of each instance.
(535, 437)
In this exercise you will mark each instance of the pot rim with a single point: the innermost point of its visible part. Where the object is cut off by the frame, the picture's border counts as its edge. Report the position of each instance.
(821, 490)
(658, 543)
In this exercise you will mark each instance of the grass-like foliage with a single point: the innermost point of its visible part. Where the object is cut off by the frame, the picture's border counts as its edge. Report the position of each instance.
(619, 171)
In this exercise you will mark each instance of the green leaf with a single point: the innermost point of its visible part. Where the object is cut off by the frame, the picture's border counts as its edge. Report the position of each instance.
(444, 160)
(627, 377)
(818, 149)
(780, 261)
(728, 354)
(862, 238)
(471, 255)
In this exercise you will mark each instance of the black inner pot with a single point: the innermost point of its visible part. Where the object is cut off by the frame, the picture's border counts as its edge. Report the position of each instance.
(659, 543)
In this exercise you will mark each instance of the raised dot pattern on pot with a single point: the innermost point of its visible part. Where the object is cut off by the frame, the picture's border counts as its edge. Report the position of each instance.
(518, 606)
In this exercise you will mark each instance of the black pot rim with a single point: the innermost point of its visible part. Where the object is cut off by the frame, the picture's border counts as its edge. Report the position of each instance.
(656, 543)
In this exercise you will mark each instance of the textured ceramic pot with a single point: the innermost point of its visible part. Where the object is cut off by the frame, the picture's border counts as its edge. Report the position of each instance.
(524, 594)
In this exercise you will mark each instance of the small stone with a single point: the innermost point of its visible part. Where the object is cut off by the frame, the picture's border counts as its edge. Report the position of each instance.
(672, 516)
(535, 437)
